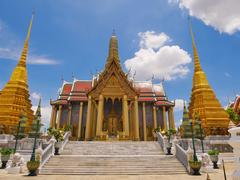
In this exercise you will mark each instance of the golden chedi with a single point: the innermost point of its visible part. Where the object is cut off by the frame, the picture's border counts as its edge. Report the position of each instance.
(14, 97)
(204, 103)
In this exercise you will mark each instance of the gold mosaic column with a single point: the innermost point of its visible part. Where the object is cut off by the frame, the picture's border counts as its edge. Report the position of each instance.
(164, 118)
(154, 118)
(53, 117)
(88, 121)
(100, 116)
(125, 116)
(80, 120)
(136, 124)
(59, 116)
(144, 122)
(69, 115)
(172, 126)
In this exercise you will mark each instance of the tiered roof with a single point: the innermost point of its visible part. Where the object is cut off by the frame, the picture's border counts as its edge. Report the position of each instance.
(78, 90)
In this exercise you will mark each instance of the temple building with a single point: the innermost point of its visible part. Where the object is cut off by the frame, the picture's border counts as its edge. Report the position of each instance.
(235, 105)
(15, 97)
(112, 106)
(203, 101)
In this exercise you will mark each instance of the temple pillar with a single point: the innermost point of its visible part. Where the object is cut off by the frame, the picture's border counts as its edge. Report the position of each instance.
(125, 116)
(164, 118)
(172, 122)
(69, 114)
(136, 119)
(88, 120)
(100, 116)
(154, 118)
(80, 120)
(94, 120)
(59, 116)
(144, 122)
(53, 116)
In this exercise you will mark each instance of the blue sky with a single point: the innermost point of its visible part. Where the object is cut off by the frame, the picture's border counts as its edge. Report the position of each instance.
(71, 37)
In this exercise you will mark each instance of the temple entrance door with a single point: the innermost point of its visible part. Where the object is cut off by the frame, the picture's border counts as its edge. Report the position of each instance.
(112, 126)
(112, 123)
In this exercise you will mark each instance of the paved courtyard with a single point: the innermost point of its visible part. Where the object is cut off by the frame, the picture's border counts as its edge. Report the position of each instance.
(218, 175)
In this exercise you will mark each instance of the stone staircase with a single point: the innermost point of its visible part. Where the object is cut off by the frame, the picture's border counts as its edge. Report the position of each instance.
(113, 158)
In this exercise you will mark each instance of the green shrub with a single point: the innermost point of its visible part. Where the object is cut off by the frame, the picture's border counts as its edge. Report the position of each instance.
(6, 151)
(213, 152)
(57, 133)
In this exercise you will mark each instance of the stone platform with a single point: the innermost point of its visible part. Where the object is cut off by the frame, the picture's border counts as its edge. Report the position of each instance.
(113, 158)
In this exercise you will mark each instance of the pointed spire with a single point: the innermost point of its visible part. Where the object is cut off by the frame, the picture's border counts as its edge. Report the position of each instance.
(20, 72)
(185, 112)
(113, 49)
(38, 111)
(197, 65)
(22, 61)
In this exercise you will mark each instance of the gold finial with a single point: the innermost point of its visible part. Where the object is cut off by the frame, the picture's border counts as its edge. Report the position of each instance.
(20, 72)
(23, 58)
(113, 50)
(197, 65)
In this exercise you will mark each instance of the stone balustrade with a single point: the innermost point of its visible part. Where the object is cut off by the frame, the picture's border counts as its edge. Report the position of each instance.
(235, 143)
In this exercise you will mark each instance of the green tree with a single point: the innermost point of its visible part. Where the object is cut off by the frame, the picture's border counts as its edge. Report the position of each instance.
(235, 117)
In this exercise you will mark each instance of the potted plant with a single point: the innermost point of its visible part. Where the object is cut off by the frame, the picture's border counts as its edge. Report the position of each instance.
(169, 134)
(214, 157)
(33, 167)
(195, 165)
(5, 156)
(58, 135)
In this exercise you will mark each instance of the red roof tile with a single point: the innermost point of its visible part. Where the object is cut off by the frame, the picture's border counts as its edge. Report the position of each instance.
(66, 89)
(82, 86)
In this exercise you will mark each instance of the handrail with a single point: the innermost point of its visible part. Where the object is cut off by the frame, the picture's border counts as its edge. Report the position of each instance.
(181, 155)
(65, 139)
(160, 140)
(47, 152)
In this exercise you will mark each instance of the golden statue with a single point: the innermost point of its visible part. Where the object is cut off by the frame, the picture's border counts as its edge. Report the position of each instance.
(203, 101)
(14, 97)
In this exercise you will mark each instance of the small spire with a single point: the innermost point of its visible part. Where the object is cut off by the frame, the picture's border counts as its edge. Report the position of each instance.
(185, 112)
(38, 111)
(197, 65)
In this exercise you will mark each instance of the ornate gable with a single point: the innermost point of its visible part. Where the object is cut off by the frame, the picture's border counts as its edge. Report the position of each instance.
(113, 81)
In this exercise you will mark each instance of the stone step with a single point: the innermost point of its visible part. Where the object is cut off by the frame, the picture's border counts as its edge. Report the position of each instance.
(113, 158)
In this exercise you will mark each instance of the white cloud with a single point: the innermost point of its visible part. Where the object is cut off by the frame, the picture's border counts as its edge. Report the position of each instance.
(227, 75)
(46, 114)
(223, 15)
(151, 39)
(35, 96)
(11, 47)
(179, 103)
(14, 54)
(155, 57)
